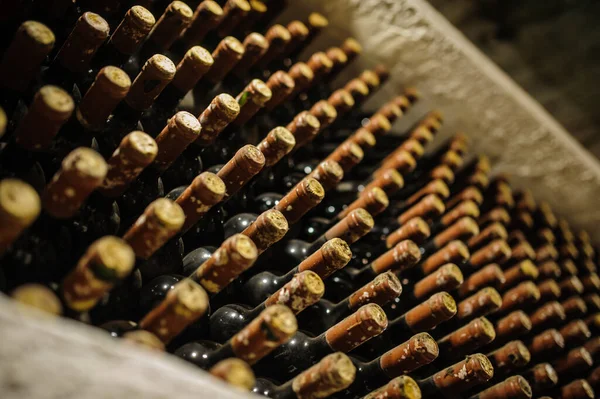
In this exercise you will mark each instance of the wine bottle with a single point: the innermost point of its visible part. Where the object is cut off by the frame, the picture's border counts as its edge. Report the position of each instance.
(513, 325)
(575, 333)
(402, 387)
(20, 206)
(541, 377)
(515, 387)
(524, 293)
(234, 11)
(207, 16)
(493, 231)
(546, 344)
(576, 361)
(547, 314)
(578, 389)
(39, 297)
(507, 359)
(234, 372)
(488, 276)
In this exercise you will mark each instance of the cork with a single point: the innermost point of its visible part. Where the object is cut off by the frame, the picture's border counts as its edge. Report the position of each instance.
(413, 94)
(574, 307)
(3, 122)
(578, 359)
(302, 75)
(356, 89)
(155, 75)
(81, 172)
(415, 229)
(525, 292)
(244, 165)
(50, 109)
(490, 275)
(583, 236)
(443, 173)
(428, 207)
(90, 31)
(469, 193)
(320, 65)
(342, 100)
(591, 282)
(207, 16)
(566, 250)
(371, 79)
(29, 47)
(299, 32)
(351, 48)
(513, 325)
(279, 38)
(433, 125)
(463, 209)
(479, 179)
(543, 376)
(317, 21)
(546, 252)
(461, 230)
(547, 214)
(427, 315)
(571, 286)
(402, 387)
(136, 151)
(235, 372)
(471, 336)
(403, 256)
(390, 111)
(251, 100)
(281, 85)
(592, 345)
(228, 53)
(235, 255)
(332, 256)
(268, 228)
(483, 302)
(181, 130)
(497, 251)
(373, 201)
(106, 262)
(402, 102)
(364, 139)
(338, 58)
(222, 110)
(524, 270)
(564, 230)
(161, 220)
(413, 147)
(437, 187)
(255, 47)
(402, 161)
(475, 369)
(196, 62)
(206, 190)
(352, 227)
(302, 291)
(273, 327)
(382, 72)
(454, 252)
(548, 314)
(517, 236)
(234, 12)
(39, 297)
(593, 321)
(579, 389)
(382, 290)
(304, 127)
(575, 332)
(523, 220)
(446, 278)
(174, 20)
(367, 322)
(20, 206)
(549, 290)
(307, 194)
(133, 29)
(567, 266)
(593, 302)
(545, 234)
(329, 173)
(523, 251)
(418, 351)
(494, 231)
(185, 303)
(278, 143)
(348, 155)
(589, 266)
(423, 136)
(515, 387)
(379, 125)
(332, 374)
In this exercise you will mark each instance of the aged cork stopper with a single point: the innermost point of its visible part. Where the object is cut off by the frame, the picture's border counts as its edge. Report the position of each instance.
(436, 186)
(403, 256)
(228, 53)
(402, 387)
(364, 139)
(413, 94)
(416, 229)
(352, 227)
(32, 42)
(427, 315)
(317, 21)
(400, 160)
(479, 179)
(279, 38)
(497, 251)
(413, 147)
(50, 109)
(329, 173)
(299, 32)
(351, 48)
(474, 370)
(402, 102)
(278, 143)
(461, 230)
(454, 252)
(378, 125)
(320, 65)
(81, 172)
(268, 228)
(255, 46)
(423, 136)
(185, 303)
(428, 207)
(469, 193)
(578, 359)
(526, 291)
(383, 289)
(549, 290)
(304, 127)
(20, 206)
(446, 278)
(251, 100)
(524, 270)
(356, 90)
(144, 339)
(495, 231)
(577, 389)
(571, 285)
(490, 275)
(523, 220)
(522, 250)
(196, 62)
(281, 85)
(181, 130)
(367, 322)
(302, 75)
(371, 79)
(303, 290)
(332, 374)
(332, 256)
(234, 12)
(451, 159)
(244, 165)
(515, 324)
(222, 110)
(307, 194)
(237, 254)
(547, 314)
(543, 376)
(483, 302)
(373, 201)
(591, 282)
(389, 180)
(443, 173)
(273, 327)
(515, 387)
(546, 252)
(574, 307)
(471, 336)
(206, 190)
(39, 297)
(342, 100)
(463, 209)
(90, 31)
(133, 29)
(593, 302)
(106, 262)
(207, 16)
(161, 220)
(496, 215)
(156, 73)
(174, 20)
(348, 155)
(418, 351)
(390, 111)
(235, 372)
(575, 332)
(136, 151)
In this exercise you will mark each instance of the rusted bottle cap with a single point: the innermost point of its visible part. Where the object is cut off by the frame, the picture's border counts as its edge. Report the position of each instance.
(342, 100)
(302, 75)
(578, 389)
(273, 327)
(474, 370)
(304, 127)
(575, 332)
(298, 34)
(490, 275)
(574, 307)
(32, 42)
(338, 58)
(428, 207)
(133, 29)
(497, 251)
(235, 255)
(281, 85)
(371, 79)
(136, 151)
(255, 46)
(303, 290)
(207, 16)
(418, 351)
(228, 53)
(244, 165)
(19, 208)
(279, 38)
(307, 194)
(278, 143)
(195, 64)
(461, 230)
(571, 286)
(90, 31)
(578, 359)
(526, 292)
(234, 12)
(251, 100)
(379, 125)
(402, 387)
(427, 315)
(547, 314)
(549, 290)
(483, 302)
(515, 387)
(495, 231)
(364, 139)
(185, 303)
(347, 155)
(332, 374)
(268, 228)
(174, 20)
(367, 322)
(181, 130)
(522, 251)
(524, 270)
(389, 180)
(320, 64)
(383, 289)
(144, 339)
(234, 372)
(454, 252)
(443, 173)
(352, 227)
(50, 109)
(161, 220)
(82, 171)
(106, 262)
(415, 229)
(446, 278)
(513, 325)
(471, 336)
(39, 297)
(155, 75)
(329, 173)
(469, 193)
(437, 187)
(332, 256)
(222, 110)
(403, 256)
(206, 190)
(463, 209)
(390, 111)
(373, 201)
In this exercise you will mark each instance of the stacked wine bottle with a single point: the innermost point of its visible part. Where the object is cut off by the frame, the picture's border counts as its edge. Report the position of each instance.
(187, 178)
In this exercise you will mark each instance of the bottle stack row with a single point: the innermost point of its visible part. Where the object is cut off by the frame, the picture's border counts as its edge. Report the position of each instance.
(188, 178)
